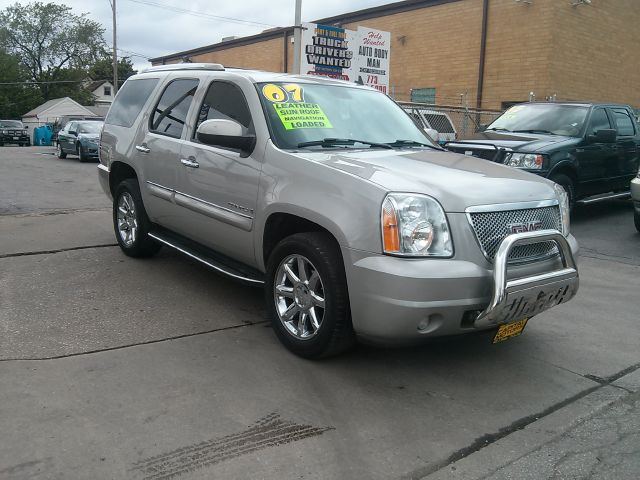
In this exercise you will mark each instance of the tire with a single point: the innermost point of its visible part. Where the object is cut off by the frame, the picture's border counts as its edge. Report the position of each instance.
(569, 187)
(130, 221)
(333, 332)
(636, 219)
(59, 152)
(81, 155)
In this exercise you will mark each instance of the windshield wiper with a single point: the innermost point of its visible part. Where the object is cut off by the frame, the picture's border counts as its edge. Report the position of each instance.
(498, 129)
(534, 130)
(411, 143)
(336, 142)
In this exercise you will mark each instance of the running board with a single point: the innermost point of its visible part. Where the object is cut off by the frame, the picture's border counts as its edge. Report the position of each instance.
(208, 257)
(599, 198)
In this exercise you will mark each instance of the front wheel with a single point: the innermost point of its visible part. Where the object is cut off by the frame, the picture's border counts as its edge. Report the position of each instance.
(307, 296)
(569, 187)
(636, 220)
(81, 155)
(59, 152)
(130, 221)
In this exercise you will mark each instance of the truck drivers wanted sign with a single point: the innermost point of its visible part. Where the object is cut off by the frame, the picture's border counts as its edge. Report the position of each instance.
(360, 56)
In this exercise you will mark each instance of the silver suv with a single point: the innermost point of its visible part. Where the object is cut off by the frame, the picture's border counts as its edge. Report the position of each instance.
(329, 195)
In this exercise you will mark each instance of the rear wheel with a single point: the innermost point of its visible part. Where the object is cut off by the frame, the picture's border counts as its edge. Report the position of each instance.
(130, 221)
(59, 152)
(307, 297)
(567, 183)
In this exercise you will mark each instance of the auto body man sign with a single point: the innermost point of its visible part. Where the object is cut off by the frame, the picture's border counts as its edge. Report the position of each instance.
(360, 56)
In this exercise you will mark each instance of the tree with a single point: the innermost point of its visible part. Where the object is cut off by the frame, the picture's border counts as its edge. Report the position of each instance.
(16, 98)
(102, 69)
(51, 43)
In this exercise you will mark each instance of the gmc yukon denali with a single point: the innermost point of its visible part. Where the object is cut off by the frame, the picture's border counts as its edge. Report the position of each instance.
(328, 195)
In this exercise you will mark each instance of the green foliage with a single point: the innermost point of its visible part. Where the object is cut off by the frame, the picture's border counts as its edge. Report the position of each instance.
(15, 100)
(51, 43)
(102, 69)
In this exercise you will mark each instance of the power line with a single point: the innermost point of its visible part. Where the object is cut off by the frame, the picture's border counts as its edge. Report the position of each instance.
(206, 16)
(30, 82)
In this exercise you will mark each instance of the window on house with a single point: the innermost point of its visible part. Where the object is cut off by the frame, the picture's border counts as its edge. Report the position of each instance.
(106, 91)
(423, 95)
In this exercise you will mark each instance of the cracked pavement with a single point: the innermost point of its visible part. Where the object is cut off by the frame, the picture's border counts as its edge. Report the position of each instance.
(108, 363)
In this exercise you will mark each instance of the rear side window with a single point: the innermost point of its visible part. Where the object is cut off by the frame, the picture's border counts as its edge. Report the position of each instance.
(129, 101)
(170, 114)
(225, 100)
(599, 121)
(624, 124)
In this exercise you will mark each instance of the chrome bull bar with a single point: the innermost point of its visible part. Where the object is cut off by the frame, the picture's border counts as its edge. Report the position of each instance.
(524, 297)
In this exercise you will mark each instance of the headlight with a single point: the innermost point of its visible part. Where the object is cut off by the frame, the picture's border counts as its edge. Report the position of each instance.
(530, 161)
(415, 225)
(563, 200)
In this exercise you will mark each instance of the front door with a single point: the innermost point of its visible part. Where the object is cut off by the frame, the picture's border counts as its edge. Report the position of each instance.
(220, 185)
(597, 161)
(626, 149)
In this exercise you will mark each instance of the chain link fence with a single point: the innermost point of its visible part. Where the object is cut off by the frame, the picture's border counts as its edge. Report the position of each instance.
(450, 122)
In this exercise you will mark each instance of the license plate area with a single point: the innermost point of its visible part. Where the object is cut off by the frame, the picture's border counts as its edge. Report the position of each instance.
(532, 301)
(510, 330)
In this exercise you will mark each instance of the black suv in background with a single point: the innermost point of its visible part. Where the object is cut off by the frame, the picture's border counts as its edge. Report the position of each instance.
(13, 131)
(588, 148)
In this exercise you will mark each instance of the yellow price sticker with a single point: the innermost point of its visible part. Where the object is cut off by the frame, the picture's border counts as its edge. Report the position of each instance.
(291, 92)
(301, 115)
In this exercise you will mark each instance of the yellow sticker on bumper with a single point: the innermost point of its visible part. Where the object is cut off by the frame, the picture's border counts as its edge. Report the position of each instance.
(301, 115)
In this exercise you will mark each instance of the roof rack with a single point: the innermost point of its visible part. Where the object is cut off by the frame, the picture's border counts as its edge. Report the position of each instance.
(216, 67)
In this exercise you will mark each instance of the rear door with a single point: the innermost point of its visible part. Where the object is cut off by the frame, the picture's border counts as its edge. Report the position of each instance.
(218, 186)
(158, 146)
(626, 148)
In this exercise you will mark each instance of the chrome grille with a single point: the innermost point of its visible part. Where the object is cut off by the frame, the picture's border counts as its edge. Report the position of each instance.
(492, 227)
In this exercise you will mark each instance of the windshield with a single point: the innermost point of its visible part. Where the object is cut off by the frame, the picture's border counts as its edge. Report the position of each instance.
(10, 124)
(320, 114)
(91, 127)
(542, 118)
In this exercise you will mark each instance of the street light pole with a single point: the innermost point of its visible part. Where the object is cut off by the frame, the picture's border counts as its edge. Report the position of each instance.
(115, 53)
(297, 38)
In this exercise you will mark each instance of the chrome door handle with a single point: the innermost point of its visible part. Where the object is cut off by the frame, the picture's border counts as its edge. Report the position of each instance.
(143, 148)
(189, 163)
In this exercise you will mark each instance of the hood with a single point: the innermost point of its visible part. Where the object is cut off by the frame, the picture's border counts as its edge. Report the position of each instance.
(520, 142)
(89, 136)
(456, 181)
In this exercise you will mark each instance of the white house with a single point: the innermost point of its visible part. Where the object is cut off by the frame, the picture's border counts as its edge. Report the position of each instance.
(102, 91)
(53, 110)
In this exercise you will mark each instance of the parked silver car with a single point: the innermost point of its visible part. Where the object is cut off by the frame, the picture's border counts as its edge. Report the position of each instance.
(328, 195)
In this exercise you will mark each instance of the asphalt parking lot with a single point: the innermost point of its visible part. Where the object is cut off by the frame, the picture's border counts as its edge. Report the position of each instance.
(112, 367)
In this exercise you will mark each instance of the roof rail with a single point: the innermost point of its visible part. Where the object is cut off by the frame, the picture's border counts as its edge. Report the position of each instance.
(185, 66)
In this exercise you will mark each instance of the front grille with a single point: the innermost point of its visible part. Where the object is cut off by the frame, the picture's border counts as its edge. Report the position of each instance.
(492, 227)
(494, 155)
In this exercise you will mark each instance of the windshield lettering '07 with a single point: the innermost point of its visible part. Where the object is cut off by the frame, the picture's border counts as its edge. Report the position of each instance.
(542, 118)
(308, 112)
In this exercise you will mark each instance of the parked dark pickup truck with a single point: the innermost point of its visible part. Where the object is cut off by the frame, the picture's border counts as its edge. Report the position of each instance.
(13, 131)
(588, 148)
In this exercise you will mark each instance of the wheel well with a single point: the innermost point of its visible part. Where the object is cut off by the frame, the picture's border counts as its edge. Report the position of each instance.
(282, 225)
(119, 172)
(568, 171)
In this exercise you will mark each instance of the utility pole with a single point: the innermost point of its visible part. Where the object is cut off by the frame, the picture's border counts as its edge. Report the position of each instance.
(297, 37)
(115, 52)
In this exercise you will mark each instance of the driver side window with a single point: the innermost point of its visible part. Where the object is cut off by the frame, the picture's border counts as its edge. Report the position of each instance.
(225, 100)
(599, 121)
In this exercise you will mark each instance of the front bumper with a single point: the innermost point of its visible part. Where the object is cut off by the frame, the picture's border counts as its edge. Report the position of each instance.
(17, 139)
(402, 300)
(89, 149)
(103, 177)
(635, 193)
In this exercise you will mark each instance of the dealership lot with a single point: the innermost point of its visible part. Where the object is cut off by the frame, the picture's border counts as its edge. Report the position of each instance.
(113, 367)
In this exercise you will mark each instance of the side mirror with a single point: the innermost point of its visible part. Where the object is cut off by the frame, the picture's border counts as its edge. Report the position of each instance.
(73, 132)
(225, 133)
(603, 136)
(482, 127)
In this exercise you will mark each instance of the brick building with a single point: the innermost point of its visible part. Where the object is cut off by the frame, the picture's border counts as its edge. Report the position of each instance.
(492, 52)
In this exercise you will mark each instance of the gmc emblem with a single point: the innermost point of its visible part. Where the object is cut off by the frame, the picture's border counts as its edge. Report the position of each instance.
(524, 227)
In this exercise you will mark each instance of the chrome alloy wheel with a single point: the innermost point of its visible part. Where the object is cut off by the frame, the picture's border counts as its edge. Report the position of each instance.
(127, 221)
(299, 297)
(58, 150)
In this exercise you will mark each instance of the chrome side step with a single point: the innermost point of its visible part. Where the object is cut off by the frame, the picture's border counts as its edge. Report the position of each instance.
(210, 258)
(599, 198)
